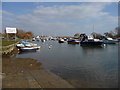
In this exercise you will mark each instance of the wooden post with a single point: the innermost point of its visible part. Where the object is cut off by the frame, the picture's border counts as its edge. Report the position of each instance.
(7, 37)
(15, 36)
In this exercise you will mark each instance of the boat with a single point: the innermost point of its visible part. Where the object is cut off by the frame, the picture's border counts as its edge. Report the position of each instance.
(90, 41)
(73, 41)
(28, 49)
(110, 41)
(27, 46)
(43, 40)
(19, 45)
(32, 48)
(61, 40)
(65, 39)
(33, 39)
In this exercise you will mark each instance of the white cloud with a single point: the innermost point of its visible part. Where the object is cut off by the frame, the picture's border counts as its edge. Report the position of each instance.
(83, 11)
(6, 13)
(60, 0)
(65, 19)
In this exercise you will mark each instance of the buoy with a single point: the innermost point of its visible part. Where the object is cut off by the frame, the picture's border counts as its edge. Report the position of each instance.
(49, 47)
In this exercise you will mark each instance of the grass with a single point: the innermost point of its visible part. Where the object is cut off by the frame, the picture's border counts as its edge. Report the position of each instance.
(5, 42)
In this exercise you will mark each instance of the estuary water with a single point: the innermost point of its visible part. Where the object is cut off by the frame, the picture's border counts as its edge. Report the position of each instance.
(83, 67)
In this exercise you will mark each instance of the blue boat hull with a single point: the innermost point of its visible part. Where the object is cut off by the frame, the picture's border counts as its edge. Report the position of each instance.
(73, 42)
(22, 49)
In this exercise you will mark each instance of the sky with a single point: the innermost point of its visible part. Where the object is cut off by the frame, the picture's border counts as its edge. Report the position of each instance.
(60, 18)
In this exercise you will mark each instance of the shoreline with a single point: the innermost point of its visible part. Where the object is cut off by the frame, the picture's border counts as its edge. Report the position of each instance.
(29, 73)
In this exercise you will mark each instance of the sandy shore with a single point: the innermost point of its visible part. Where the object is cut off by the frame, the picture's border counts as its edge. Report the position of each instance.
(28, 73)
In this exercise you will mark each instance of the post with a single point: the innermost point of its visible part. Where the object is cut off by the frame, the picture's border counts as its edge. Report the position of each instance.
(7, 37)
(15, 36)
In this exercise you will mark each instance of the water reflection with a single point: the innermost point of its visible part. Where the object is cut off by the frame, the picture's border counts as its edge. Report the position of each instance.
(27, 52)
(83, 67)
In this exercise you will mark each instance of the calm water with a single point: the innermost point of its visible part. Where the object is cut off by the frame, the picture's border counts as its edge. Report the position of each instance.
(81, 66)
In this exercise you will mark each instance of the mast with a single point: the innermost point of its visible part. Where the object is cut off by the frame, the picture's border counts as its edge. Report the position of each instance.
(93, 31)
(93, 27)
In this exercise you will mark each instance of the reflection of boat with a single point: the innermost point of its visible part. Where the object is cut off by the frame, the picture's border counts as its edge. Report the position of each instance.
(89, 41)
(73, 41)
(109, 41)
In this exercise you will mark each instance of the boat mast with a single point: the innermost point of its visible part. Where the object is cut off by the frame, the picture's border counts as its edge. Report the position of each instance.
(93, 30)
(93, 27)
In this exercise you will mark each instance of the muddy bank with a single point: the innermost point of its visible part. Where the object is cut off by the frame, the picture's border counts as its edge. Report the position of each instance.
(28, 73)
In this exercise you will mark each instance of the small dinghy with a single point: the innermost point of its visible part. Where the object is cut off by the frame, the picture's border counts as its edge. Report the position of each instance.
(61, 40)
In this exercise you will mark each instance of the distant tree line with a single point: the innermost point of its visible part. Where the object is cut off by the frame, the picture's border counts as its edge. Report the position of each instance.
(113, 34)
(20, 34)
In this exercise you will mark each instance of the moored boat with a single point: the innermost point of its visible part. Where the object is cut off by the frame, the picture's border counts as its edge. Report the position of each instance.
(28, 49)
(89, 41)
(110, 41)
(61, 40)
(33, 39)
(27, 46)
(73, 41)
(42, 40)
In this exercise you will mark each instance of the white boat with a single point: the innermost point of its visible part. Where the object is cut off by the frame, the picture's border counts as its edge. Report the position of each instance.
(90, 41)
(73, 41)
(33, 39)
(33, 48)
(27, 46)
(28, 49)
(43, 40)
(61, 40)
(20, 45)
(109, 41)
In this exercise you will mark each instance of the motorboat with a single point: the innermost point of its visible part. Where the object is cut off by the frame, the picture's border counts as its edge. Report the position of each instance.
(33, 39)
(28, 49)
(73, 41)
(27, 46)
(90, 41)
(43, 40)
(61, 40)
(110, 41)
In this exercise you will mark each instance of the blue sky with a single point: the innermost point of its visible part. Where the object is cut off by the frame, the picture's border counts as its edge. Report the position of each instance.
(60, 18)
